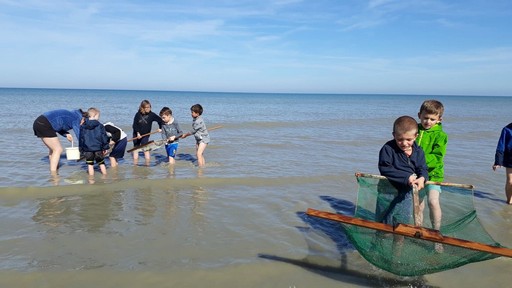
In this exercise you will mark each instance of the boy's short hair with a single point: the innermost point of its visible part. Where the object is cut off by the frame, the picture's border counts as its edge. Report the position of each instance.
(93, 110)
(404, 124)
(432, 107)
(197, 108)
(165, 111)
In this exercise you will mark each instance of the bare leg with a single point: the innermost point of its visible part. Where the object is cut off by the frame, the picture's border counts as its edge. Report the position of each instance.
(418, 219)
(55, 177)
(171, 161)
(103, 169)
(55, 149)
(90, 169)
(397, 247)
(435, 209)
(435, 215)
(199, 153)
(135, 157)
(171, 171)
(508, 186)
(147, 157)
(113, 162)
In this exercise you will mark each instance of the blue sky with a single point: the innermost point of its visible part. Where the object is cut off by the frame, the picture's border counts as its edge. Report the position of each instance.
(316, 46)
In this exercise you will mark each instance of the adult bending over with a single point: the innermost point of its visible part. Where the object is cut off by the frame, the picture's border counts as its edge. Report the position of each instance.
(59, 121)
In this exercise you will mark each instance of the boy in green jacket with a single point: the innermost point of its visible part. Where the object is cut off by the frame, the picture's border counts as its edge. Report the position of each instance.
(433, 140)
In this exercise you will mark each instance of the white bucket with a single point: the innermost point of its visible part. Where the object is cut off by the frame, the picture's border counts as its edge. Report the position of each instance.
(72, 153)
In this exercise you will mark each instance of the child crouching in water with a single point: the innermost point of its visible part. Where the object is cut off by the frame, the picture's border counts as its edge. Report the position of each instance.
(171, 132)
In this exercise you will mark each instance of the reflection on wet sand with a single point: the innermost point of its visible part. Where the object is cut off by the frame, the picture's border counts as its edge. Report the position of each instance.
(145, 205)
(199, 201)
(90, 212)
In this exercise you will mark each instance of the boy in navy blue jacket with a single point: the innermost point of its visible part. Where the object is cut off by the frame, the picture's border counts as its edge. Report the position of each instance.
(403, 163)
(93, 141)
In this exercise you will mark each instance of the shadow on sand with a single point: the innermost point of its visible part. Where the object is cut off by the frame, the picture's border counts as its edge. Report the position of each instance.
(488, 196)
(365, 275)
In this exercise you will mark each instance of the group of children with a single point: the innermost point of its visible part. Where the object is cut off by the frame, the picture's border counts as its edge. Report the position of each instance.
(400, 159)
(97, 140)
(415, 155)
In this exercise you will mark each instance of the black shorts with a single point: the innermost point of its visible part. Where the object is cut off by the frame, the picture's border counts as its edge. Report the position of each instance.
(97, 156)
(43, 128)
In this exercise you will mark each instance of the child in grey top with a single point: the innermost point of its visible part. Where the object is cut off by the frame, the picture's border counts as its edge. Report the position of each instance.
(171, 133)
(200, 133)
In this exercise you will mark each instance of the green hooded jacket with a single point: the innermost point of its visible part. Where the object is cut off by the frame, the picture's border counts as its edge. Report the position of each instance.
(433, 142)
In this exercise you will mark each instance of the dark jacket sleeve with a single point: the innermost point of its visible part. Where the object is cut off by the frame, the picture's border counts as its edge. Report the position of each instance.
(135, 125)
(420, 164)
(81, 140)
(388, 166)
(157, 119)
(500, 148)
(104, 138)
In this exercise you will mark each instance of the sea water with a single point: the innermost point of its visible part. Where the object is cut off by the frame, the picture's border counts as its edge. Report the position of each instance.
(239, 221)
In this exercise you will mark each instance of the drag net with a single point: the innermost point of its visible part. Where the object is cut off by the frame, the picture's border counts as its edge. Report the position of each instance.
(406, 256)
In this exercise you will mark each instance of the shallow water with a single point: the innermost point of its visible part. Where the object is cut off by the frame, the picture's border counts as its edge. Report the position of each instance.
(239, 221)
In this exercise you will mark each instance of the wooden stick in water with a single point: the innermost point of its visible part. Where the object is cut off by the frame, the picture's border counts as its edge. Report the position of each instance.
(153, 132)
(467, 186)
(412, 231)
(209, 129)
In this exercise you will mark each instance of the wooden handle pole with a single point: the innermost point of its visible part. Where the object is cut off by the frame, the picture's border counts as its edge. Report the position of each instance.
(467, 186)
(153, 132)
(412, 231)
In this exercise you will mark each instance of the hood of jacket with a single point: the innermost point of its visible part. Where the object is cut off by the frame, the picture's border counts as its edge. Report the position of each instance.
(91, 124)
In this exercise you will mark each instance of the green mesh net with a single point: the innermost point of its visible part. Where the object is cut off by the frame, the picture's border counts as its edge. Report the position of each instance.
(406, 256)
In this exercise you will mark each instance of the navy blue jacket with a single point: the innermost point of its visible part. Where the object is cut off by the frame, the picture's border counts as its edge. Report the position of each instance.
(93, 136)
(503, 156)
(397, 167)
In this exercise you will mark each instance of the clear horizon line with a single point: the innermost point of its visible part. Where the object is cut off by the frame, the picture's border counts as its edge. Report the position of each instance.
(238, 92)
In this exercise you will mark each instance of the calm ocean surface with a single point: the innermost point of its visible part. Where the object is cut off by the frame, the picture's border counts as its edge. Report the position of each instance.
(238, 222)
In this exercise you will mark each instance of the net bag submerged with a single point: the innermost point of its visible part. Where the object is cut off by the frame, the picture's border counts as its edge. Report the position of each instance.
(406, 256)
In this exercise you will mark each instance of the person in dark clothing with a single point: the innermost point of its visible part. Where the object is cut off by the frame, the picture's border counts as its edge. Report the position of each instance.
(60, 121)
(142, 123)
(503, 158)
(403, 163)
(118, 141)
(93, 142)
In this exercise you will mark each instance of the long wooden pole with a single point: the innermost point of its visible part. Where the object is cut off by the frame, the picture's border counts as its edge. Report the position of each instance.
(153, 132)
(209, 129)
(416, 206)
(467, 186)
(412, 231)
(158, 142)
